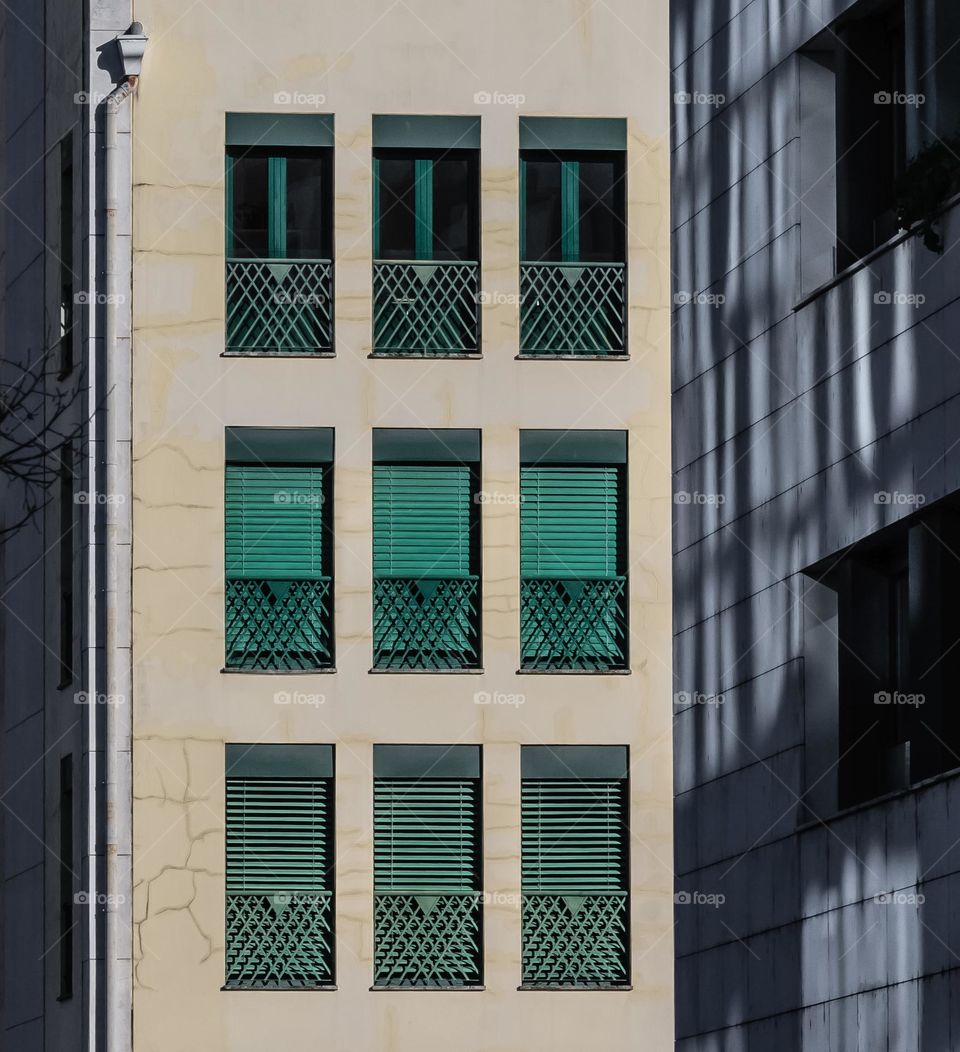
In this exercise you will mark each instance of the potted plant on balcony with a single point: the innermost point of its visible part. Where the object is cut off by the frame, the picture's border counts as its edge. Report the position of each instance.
(929, 180)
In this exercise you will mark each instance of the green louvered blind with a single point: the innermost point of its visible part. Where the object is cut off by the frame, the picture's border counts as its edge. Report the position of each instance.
(274, 521)
(573, 835)
(426, 835)
(569, 521)
(279, 882)
(421, 520)
(278, 835)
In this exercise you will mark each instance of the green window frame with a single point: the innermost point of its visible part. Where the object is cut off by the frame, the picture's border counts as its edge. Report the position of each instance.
(575, 867)
(278, 549)
(573, 551)
(279, 804)
(426, 550)
(428, 926)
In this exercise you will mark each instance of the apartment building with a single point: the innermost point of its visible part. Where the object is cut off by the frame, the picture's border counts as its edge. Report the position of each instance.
(815, 456)
(367, 312)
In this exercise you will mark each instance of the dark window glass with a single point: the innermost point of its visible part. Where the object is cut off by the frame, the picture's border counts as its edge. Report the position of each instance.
(307, 225)
(65, 942)
(250, 211)
(601, 211)
(397, 208)
(542, 211)
(454, 197)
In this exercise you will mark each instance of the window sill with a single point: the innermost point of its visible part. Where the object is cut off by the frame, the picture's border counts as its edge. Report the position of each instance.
(616, 357)
(278, 354)
(424, 672)
(326, 988)
(426, 989)
(573, 672)
(896, 794)
(470, 356)
(535, 988)
(278, 671)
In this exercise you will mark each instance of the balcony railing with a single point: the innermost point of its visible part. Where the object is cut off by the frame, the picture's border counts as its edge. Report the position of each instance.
(279, 306)
(276, 625)
(575, 939)
(279, 942)
(573, 624)
(426, 940)
(573, 308)
(430, 623)
(423, 309)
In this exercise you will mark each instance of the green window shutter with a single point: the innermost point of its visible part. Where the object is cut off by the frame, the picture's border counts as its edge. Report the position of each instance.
(274, 521)
(427, 903)
(279, 882)
(426, 835)
(421, 520)
(575, 884)
(279, 602)
(569, 521)
(573, 835)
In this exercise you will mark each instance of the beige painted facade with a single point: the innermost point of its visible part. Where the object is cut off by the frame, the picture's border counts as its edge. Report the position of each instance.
(565, 57)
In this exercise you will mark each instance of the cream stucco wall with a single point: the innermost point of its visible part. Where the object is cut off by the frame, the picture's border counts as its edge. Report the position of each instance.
(427, 56)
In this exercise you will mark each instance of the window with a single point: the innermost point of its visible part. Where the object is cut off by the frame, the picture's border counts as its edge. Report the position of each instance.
(426, 211)
(881, 636)
(279, 565)
(279, 208)
(66, 257)
(426, 549)
(572, 237)
(279, 866)
(65, 852)
(573, 587)
(65, 546)
(427, 868)
(574, 866)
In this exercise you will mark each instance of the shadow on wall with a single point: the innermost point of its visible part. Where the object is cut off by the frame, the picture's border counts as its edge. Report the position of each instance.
(790, 426)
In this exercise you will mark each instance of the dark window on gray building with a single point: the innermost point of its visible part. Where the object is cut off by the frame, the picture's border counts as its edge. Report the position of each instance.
(882, 662)
(67, 508)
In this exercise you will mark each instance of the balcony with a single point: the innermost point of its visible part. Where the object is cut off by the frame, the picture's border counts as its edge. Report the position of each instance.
(574, 940)
(573, 309)
(573, 624)
(279, 942)
(278, 625)
(426, 623)
(279, 306)
(425, 309)
(427, 940)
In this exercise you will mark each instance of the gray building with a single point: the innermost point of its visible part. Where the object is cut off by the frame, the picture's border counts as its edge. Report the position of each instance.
(64, 761)
(816, 381)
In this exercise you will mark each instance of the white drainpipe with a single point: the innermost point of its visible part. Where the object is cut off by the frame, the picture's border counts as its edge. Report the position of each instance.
(115, 806)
